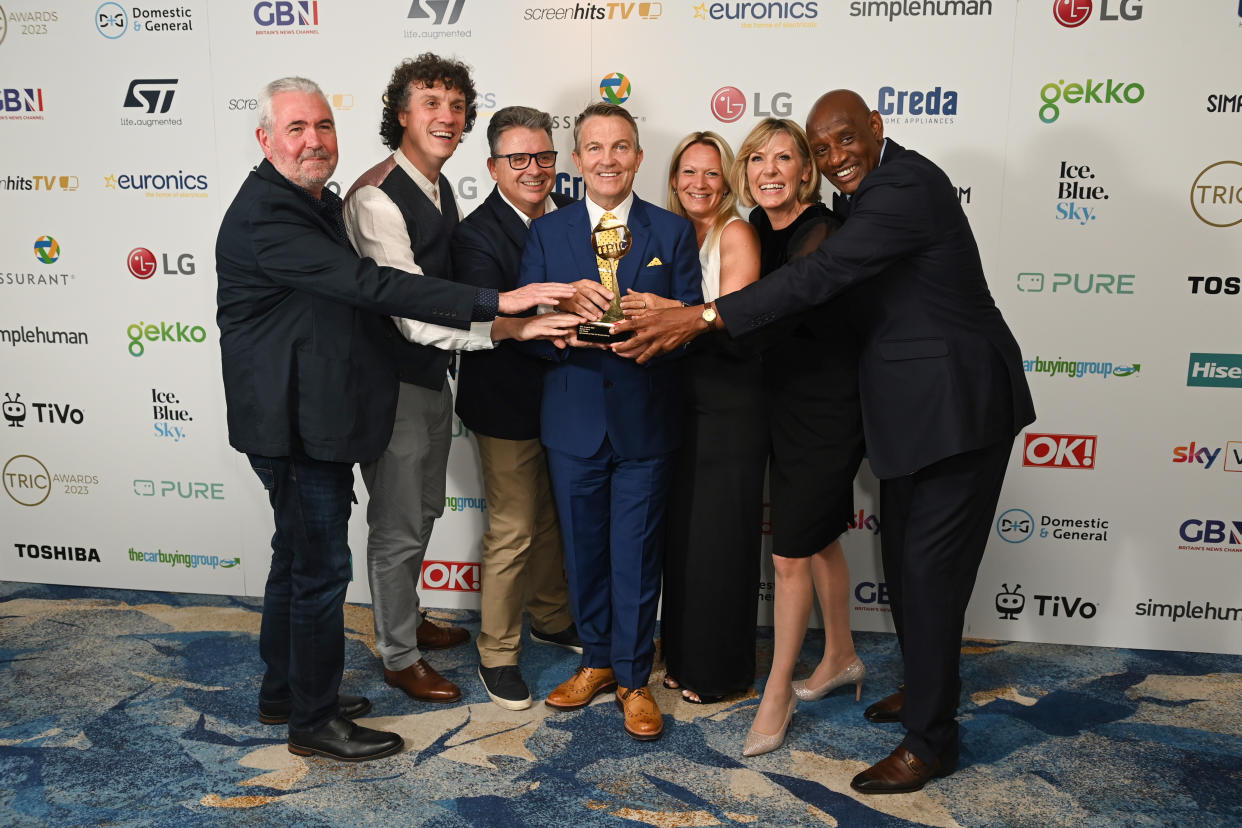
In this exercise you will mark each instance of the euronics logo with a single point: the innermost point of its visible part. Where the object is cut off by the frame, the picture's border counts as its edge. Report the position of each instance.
(1215, 370)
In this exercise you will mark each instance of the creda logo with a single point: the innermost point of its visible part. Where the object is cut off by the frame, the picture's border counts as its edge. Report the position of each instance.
(1092, 91)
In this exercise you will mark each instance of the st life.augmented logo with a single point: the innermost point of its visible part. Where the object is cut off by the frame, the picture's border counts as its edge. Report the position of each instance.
(171, 418)
(1198, 456)
(1216, 195)
(728, 104)
(1073, 13)
(287, 17)
(17, 413)
(1207, 370)
(1070, 284)
(151, 95)
(23, 103)
(917, 106)
(1078, 194)
(143, 264)
(437, 12)
(1059, 451)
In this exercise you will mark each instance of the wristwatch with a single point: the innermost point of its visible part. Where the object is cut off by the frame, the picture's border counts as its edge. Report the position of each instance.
(709, 315)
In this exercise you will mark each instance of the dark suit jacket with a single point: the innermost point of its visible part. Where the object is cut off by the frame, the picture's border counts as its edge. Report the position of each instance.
(940, 373)
(589, 393)
(498, 391)
(302, 322)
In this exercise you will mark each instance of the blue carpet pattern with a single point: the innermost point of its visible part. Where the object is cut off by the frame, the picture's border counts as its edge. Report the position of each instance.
(138, 708)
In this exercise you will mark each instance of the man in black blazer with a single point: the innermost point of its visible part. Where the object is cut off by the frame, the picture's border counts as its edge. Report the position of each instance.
(311, 390)
(498, 398)
(943, 394)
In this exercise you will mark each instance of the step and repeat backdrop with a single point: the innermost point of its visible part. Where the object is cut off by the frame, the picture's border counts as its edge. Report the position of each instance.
(1096, 146)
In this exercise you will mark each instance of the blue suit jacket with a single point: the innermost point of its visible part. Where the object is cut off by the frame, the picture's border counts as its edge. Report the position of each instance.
(940, 373)
(590, 394)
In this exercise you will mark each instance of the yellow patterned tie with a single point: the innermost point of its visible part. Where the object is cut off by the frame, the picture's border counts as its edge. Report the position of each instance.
(611, 240)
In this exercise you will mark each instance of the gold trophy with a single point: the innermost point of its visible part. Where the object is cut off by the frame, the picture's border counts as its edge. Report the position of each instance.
(611, 240)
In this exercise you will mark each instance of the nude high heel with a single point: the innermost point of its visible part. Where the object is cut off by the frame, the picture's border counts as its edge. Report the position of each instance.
(758, 743)
(853, 674)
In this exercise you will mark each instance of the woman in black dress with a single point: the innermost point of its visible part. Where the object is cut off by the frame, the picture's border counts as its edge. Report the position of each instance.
(810, 376)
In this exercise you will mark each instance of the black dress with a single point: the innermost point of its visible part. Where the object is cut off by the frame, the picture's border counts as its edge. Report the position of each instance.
(810, 381)
(711, 559)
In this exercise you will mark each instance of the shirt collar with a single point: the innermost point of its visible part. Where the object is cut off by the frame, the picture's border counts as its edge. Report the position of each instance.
(424, 183)
(621, 211)
(548, 206)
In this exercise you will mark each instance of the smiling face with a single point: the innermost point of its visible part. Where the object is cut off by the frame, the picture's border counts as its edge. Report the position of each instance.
(846, 139)
(775, 171)
(700, 183)
(302, 141)
(433, 126)
(526, 189)
(608, 158)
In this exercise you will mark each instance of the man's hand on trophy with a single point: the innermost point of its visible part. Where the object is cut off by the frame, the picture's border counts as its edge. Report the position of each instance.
(589, 300)
(636, 303)
(532, 295)
(659, 331)
(557, 327)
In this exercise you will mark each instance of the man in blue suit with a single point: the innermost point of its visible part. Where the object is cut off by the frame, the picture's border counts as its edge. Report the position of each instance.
(943, 394)
(610, 425)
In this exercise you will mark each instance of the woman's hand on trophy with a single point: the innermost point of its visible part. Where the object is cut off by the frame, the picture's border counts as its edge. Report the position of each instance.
(637, 303)
(558, 327)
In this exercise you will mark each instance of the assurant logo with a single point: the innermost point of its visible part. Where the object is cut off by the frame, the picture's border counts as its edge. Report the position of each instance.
(615, 88)
(46, 249)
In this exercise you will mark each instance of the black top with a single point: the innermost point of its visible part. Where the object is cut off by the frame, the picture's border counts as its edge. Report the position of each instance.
(776, 247)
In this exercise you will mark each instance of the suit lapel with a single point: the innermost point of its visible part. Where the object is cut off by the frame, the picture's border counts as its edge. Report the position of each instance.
(578, 241)
(507, 219)
(640, 235)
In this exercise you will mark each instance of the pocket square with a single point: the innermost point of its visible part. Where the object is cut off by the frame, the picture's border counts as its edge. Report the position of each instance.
(655, 262)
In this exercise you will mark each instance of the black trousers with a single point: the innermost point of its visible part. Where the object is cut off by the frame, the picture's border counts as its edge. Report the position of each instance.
(936, 526)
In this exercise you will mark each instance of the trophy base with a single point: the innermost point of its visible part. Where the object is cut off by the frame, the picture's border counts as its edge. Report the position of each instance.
(601, 332)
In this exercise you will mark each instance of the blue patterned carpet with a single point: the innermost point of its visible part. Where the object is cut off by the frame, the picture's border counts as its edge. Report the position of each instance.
(138, 708)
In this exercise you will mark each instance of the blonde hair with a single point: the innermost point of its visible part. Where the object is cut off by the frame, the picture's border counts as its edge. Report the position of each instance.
(728, 205)
(808, 191)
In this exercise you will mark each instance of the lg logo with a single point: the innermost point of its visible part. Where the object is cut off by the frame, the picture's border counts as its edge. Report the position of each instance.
(728, 104)
(1073, 13)
(143, 264)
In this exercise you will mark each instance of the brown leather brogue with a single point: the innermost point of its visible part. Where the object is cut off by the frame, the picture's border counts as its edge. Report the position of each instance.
(642, 715)
(900, 772)
(420, 681)
(887, 709)
(584, 685)
(432, 636)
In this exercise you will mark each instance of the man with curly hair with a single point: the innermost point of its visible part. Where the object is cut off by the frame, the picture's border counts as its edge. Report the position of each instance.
(401, 213)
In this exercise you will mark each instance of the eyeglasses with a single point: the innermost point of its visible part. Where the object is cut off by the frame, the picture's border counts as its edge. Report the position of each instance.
(521, 160)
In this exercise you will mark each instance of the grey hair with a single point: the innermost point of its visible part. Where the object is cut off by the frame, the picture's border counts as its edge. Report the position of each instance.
(516, 116)
(605, 110)
(289, 84)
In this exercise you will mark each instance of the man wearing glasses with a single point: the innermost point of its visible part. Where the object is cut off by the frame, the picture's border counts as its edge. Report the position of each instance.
(498, 395)
(401, 213)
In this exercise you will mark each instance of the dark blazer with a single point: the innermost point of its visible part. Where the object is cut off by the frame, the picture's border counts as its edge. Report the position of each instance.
(302, 318)
(940, 373)
(498, 391)
(589, 393)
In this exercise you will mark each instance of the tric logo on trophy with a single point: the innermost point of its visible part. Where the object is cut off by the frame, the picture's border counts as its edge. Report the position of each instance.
(611, 240)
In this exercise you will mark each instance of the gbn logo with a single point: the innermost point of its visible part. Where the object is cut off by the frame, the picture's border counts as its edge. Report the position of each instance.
(21, 100)
(868, 592)
(1211, 531)
(287, 13)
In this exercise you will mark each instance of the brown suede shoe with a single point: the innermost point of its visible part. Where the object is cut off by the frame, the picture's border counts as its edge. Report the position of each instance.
(585, 684)
(432, 636)
(900, 772)
(887, 709)
(642, 715)
(420, 681)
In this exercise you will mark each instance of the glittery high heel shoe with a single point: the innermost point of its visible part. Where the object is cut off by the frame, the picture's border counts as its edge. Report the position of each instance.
(758, 743)
(853, 674)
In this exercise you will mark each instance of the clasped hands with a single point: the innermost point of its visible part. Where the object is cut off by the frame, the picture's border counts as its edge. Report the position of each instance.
(659, 324)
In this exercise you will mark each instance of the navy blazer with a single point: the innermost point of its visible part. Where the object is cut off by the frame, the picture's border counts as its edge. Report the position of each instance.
(498, 391)
(302, 327)
(590, 394)
(940, 373)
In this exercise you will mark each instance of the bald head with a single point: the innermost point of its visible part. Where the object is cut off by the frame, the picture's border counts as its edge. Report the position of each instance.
(846, 138)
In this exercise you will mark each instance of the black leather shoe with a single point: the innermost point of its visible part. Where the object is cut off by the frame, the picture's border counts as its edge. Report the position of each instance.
(567, 638)
(274, 713)
(900, 772)
(887, 709)
(342, 739)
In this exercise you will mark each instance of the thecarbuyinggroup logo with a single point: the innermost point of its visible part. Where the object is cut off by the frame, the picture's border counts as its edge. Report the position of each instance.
(1080, 368)
(1108, 91)
(177, 558)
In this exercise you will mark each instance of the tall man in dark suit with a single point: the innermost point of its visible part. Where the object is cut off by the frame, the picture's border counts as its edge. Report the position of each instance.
(498, 395)
(609, 424)
(311, 389)
(943, 394)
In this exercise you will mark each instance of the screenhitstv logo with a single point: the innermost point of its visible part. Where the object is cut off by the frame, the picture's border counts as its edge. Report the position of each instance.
(1073, 13)
(152, 95)
(1010, 603)
(1059, 451)
(451, 576)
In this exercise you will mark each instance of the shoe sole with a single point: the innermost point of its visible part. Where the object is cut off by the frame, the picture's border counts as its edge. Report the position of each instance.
(883, 718)
(546, 642)
(299, 750)
(607, 688)
(422, 698)
(268, 719)
(507, 704)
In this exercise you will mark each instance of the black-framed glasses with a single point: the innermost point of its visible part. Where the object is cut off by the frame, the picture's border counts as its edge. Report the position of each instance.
(521, 160)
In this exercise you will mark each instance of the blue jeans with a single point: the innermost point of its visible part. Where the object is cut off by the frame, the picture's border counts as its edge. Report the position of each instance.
(302, 638)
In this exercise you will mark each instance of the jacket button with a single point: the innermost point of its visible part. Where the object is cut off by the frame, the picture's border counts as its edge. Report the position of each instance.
(608, 383)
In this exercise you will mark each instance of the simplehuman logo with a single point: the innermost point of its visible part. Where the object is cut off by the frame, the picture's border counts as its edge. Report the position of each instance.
(1215, 370)
(1107, 91)
(1216, 195)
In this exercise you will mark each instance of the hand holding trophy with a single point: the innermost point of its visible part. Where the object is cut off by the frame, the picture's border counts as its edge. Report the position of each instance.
(611, 240)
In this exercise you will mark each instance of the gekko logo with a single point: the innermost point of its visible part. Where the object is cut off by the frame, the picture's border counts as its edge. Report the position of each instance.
(152, 95)
(1079, 369)
(1019, 525)
(1215, 285)
(1106, 91)
(782, 15)
(1072, 191)
(1216, 195)
(1215, 370)
(160, 185)
(611, 11)
(1113, 284)
(453, 576)
(48, 552)
(728, 104)
(21, 104)
(143, 264)
(287, 17)
(1211, 535)
(902, 106)
(442, 11)
(615, 88)
(50, 413)
(46, 249)
(140, 333)
(1059, 451)
(1205, 457)
(1073, 13)
(184, 489)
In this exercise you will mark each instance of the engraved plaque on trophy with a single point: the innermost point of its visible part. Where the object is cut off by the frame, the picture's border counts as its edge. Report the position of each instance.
(611, 240)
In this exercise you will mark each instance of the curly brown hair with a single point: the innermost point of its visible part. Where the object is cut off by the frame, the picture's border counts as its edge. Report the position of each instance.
(425, 70)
